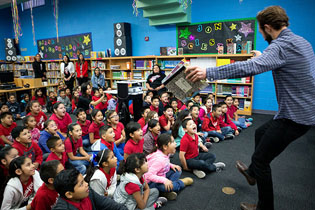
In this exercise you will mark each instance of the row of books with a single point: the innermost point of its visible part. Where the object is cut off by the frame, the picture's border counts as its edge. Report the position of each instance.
(27, 66)
(168, 64)
(244, 80)
(99, 64)
(234, 90)
(137, 74)
(209, 89)
(53, 66)
(143, 64)
(53, 74)
(52, 81)
(121, 75)
(18, 74)
(6, 66)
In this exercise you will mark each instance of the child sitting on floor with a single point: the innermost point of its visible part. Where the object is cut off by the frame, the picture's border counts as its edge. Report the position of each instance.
(112, 119)
(34, 109)
(144, 113)
(25, 145)
(135, 141)
(133, 191)
(167, 119)
(61, 118)
(94, 129)
(46, 196)
(150, 138)
(151, 115)
(14, 107)
(85, 125)
(75, 194)
(58, 152)
(225, 120)
(65, 100)
(103, 179)
(6, 128)
(23, 184)
(30, 123)
(189, 155)
(155, 104)
(162, 174)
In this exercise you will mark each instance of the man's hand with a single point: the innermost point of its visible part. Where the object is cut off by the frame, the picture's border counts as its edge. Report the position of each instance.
(195, 73)
(256, 53)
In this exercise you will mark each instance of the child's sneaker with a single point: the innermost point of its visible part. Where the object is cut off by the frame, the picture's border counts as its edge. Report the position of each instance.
(249, 119)
(187, 181)
(229, 136)
(169, 195)
(208, 145)
(219, 165)
(248, 124)
(160, 202)
(199, 174)
(215, 139)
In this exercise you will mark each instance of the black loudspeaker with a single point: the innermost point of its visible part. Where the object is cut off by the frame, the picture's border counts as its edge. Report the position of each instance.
(122, 29)
(123, 46)
(11, 49)
(122, 91)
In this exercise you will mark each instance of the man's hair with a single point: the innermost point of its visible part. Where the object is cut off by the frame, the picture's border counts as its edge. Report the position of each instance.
(275, 16)
(49, 170)
(215, 107)
(65, 181)
(52, 141)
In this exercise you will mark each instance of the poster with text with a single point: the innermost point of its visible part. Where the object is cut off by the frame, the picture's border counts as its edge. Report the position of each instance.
(217, 36)
(72, 46)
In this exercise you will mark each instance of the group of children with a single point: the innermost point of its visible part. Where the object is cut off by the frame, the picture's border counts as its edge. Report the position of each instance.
(55, 163)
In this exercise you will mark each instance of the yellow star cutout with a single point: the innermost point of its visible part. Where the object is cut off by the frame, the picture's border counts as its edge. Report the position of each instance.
(233, 27)
(86, 39)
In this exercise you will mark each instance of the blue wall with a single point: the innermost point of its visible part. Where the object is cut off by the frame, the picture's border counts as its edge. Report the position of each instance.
(6, 30)
(98, 16)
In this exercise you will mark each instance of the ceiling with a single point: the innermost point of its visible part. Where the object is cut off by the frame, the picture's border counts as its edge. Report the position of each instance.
(7, 3)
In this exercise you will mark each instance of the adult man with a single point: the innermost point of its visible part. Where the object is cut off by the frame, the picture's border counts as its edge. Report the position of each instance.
(292, 61)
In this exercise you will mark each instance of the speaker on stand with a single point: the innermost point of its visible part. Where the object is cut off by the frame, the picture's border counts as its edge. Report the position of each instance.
(122, 39)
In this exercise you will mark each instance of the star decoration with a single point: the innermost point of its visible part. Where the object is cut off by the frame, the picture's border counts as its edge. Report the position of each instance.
(191, 37)
(184, 33)
(246, 29)
(238, 37)
(86, 39)
(233, 27)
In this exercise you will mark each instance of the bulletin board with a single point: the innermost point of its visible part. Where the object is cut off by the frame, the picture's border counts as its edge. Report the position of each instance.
(72, 46)
(205, 37)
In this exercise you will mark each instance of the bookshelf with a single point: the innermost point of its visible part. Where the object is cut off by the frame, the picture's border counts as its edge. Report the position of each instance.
(140, 67)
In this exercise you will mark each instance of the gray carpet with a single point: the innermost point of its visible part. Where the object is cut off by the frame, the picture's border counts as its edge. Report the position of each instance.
(293, 175)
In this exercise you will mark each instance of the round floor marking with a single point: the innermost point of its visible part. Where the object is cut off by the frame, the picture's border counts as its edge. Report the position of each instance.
(228, 190)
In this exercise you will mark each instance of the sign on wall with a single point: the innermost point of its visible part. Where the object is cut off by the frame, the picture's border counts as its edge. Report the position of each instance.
(210, 37)
(68, 45)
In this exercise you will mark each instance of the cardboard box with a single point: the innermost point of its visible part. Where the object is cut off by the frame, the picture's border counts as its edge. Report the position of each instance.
(34, 82)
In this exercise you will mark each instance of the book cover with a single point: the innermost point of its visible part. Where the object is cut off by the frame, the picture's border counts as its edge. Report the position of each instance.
(163, 50)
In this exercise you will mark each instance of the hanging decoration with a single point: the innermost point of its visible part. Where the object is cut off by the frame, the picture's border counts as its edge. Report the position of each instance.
(16, 21)
(33, 28)
(135, 8)
(56, 15)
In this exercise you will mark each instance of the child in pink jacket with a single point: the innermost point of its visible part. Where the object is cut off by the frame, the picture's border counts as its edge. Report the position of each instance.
(162, 174)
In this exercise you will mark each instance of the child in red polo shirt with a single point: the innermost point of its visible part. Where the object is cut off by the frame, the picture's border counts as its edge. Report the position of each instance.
(61, 118)
(74, 148)
(144, 113)
(155, 104)
(57, 148)
(112, 119)
(6, 127)
(75, 193)
(25, 145)
(46, 196)
(40, 97)
(211, 125)
(135, 143)
(189, 155)
(167, 119)
(98, 92)
(225, 120)
(232, 112)
(103, 179)
(94, 129)
(34, 109)
(85, 125)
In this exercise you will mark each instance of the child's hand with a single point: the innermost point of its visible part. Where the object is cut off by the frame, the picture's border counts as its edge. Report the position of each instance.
(88, 157)
(237, 133)
(176, 168)
(219, 131)
(168, 185)
(36, 165)
(200, 134)
(204, 148)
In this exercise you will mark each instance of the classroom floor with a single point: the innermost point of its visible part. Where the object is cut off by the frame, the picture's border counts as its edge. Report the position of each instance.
(293, 176)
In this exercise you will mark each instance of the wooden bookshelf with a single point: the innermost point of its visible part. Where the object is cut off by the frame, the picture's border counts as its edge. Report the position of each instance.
(130, 69)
